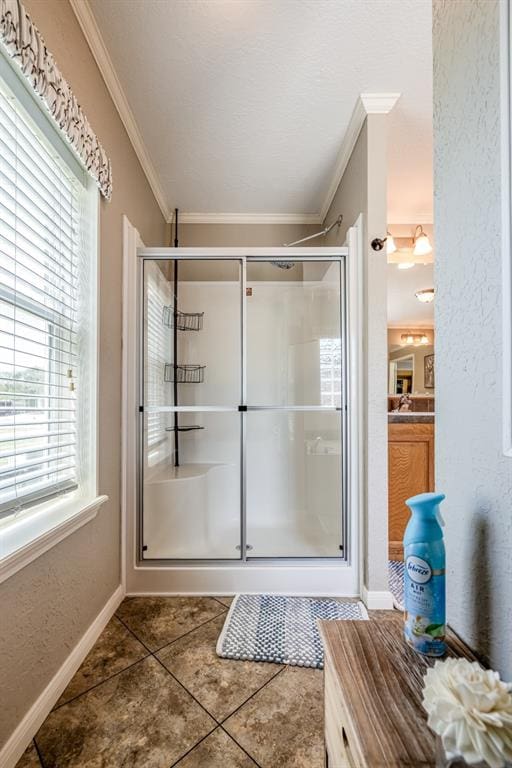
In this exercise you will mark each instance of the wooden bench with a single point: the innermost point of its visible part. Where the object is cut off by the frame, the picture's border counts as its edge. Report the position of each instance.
(373, 695)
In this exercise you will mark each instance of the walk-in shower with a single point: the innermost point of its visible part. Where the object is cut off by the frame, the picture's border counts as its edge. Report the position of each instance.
(242, 409)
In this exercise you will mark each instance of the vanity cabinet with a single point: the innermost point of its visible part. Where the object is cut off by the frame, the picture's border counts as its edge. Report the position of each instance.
(410, 471)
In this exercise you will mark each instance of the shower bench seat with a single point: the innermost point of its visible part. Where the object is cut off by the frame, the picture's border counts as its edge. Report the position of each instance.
(373, 695)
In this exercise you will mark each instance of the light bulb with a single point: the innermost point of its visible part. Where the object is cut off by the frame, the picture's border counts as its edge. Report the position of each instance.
(422, 245)
(424, 340)
(390, 244)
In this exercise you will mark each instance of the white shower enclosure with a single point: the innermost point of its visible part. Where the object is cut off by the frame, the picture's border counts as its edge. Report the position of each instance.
(242, 407)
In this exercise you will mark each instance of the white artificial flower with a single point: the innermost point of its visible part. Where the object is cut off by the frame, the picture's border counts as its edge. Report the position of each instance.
(470, 708)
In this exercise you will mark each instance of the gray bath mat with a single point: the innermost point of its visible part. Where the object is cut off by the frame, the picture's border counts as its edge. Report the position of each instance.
(280, 629)
(396, 583)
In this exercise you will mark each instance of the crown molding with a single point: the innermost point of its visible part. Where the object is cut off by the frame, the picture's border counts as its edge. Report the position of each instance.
(366, 104)
(249, 218)
(99, 51)
(378, 103)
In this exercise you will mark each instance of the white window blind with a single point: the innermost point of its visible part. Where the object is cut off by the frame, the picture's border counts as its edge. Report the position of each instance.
(41, 205)
(158, 346)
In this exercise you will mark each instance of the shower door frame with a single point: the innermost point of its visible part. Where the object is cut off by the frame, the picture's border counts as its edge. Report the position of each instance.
(244, 256)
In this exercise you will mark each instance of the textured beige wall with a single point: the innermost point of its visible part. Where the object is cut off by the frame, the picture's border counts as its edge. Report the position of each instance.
(470, 465)
(363, 189)
(249, 235)
(47, 606)
(351, 197)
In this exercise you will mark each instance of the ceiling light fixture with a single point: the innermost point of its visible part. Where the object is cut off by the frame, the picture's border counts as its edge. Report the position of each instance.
(421, 242)
(406, 264)
(425, 296)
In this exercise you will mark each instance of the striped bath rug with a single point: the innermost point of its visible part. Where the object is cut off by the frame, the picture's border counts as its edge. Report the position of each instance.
(280, 629)
(396, 583)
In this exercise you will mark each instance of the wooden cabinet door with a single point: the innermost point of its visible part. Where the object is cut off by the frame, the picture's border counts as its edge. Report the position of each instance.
(411, 471)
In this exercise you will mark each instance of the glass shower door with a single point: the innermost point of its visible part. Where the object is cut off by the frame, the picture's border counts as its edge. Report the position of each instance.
(191, 425)
(295, 409)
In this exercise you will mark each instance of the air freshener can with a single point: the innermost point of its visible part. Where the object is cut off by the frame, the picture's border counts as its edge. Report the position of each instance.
(424, 576)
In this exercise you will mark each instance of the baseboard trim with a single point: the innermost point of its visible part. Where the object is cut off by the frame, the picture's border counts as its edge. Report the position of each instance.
(39, 711)
(377, 600)
(230, 593)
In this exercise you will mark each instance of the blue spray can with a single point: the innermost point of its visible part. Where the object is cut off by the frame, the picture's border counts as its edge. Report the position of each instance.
(424, 576)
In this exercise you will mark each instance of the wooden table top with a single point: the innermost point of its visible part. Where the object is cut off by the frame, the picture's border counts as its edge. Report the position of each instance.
(381, 680)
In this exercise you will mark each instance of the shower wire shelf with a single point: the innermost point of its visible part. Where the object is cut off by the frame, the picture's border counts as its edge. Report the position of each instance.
(188, 428)
(184, 374)
(185, 321)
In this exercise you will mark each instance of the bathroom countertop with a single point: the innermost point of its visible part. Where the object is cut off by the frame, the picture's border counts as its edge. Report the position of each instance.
(411, 418)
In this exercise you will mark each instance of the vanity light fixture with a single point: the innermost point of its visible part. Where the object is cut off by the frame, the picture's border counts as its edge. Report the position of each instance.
(413, 339)
(421, 242)
(390, 244)
(425, 296)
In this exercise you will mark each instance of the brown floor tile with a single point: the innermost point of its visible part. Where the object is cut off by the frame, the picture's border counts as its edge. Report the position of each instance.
(115, 649)
(220, 685)
(226, 600)
(30, 758)
(217, 751)
(141, 718)
(157, 621)
(282, 725)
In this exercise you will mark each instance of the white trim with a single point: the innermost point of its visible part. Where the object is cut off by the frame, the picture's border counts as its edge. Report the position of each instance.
(366, 104)
(338, 593)
(26, 730)
(506, 214)
(355, 326)
(168, 252)
(99, 51)
(249, 218)
(377, 600)
(379, 103)
(131, 241)
(21, 548)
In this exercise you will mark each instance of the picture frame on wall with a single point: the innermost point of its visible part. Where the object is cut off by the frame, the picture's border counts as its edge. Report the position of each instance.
(429, 371)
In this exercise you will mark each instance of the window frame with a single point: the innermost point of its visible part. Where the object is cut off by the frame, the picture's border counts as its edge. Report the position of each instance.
(35, 529)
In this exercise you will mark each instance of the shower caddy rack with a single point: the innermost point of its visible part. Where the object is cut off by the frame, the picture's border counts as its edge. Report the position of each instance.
(180, 373)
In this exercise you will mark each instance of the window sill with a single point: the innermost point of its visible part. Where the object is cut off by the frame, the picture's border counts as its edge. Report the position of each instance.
(25, 539)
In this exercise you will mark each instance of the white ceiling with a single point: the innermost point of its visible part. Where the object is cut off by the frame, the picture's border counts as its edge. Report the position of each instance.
(404, 309)
(242, 105)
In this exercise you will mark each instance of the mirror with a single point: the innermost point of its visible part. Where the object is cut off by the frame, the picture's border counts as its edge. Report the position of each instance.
(410, 366)
(401, 375)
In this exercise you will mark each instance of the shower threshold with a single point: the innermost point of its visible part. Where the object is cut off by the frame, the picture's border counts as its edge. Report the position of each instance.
(266, 542)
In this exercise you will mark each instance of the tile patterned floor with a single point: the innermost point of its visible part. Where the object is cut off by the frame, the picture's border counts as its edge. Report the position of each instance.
(152, 693)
